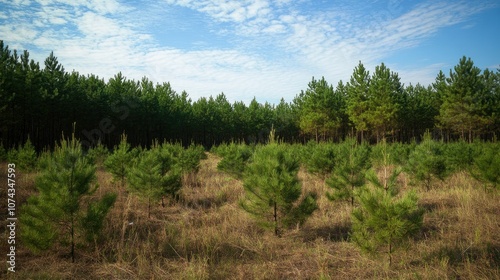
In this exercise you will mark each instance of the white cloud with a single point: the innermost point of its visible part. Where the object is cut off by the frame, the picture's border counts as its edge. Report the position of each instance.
(104, 37)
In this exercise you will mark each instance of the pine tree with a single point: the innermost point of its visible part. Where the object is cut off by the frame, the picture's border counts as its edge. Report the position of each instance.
(349, 174)
(235, 158)
(464, 101)
(427, 162)
(487, 165)
(171, 169)
(384, 219)
(56, 211)
(357, 98)
(321, 159)
(119, 161)
(98, 154)
(384, 90)
(25, 156)
(145, 177)
(152, 176)
(272, 189)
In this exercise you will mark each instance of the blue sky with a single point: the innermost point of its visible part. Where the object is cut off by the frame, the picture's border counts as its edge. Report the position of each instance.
(266, 49)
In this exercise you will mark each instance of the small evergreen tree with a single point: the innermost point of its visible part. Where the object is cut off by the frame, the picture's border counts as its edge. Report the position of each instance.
(119, 161)
(24, 157)
(427, 162)
(171, 170)
(353, 162)
(54, 213)
(152, 177)
(321, 159)
(486, 168)
(272, 189)
(145, 177)
(234, 160)
(98, 154)
(383, 220)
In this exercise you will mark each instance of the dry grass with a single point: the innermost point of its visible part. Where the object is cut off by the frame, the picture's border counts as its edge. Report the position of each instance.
(207, 236)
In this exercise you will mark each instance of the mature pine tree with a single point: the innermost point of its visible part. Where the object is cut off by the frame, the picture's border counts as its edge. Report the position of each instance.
(464, 101)
(357, 99)
(55, 213)
(272, 189)
(322, 110)
(385, 89)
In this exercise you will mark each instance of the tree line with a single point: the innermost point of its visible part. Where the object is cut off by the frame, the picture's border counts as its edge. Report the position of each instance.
(41, 102)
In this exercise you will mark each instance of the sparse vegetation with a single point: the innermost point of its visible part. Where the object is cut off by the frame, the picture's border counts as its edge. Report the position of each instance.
(207, 236)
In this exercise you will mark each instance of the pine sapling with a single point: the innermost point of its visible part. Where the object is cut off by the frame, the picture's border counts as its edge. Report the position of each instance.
(119, 161)
(486, 168)
(384, 219)
(55, 213)
(349, 174)
(272, 189)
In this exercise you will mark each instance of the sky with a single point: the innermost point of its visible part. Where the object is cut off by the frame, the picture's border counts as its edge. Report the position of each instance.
(267, 49)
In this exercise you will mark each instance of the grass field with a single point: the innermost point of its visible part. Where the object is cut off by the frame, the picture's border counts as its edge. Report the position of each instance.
(207, 236)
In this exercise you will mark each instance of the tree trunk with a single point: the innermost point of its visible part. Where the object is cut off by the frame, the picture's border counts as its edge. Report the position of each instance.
(276, 219)
(72, 238)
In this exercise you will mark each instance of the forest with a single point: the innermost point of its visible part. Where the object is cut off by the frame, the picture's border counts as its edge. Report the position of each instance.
(41, 102)
(370, 179)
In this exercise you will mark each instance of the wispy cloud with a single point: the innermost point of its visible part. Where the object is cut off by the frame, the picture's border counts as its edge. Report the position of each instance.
(276, 46)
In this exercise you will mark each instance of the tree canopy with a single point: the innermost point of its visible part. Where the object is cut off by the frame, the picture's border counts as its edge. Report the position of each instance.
(40, 100)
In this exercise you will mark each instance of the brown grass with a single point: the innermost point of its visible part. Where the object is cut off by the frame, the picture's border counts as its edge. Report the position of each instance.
(207, 236)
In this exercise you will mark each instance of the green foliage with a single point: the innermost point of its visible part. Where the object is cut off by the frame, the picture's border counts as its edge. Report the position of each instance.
(24, 157)
(357, 98)
(322, 110)
(465, 101)
(171, 169)
(385, 88)
(93, 221)
(320, 158)
(349, 173)
(272, 189)
(152, 176)
(385, 220)
(459, 156)
(390, 153)
(189, 159)
(44, 160)
(119, 161)
(98, 154)
(427, 161)
(487, 165)
(235, 159)
(53, 214)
